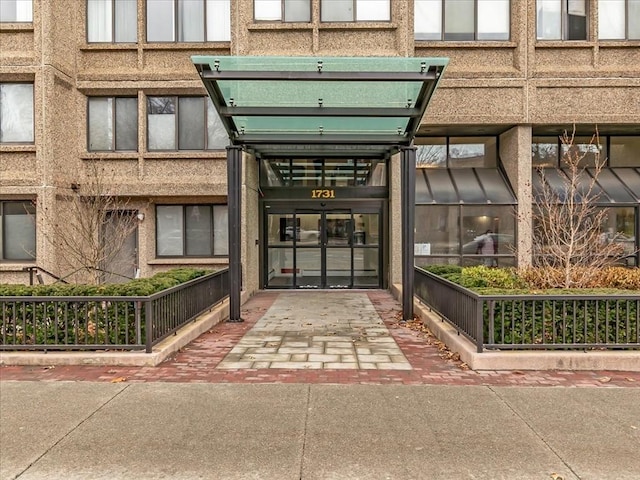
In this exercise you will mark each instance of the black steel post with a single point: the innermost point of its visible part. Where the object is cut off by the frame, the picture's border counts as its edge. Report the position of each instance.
(408, 199)
(234, 202)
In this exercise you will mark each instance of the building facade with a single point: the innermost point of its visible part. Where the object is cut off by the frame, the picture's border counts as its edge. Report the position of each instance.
(111, 83)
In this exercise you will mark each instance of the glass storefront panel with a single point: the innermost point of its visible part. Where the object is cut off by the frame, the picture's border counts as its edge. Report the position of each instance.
(338, 267)
(437, 230)
(366, 263)
(544, 152)
(308, 267)
(467, 152)
(280, 271)
(625, 151)
(584, 149)
(497, 220)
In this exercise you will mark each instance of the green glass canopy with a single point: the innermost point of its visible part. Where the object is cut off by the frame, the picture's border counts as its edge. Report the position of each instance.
(303, 106)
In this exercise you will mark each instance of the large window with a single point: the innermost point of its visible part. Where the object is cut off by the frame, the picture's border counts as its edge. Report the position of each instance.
(619, 19)
(282, 10)
(17, 231)
(188, 20)
(112, 21)
(561, 19)
(113, 124)
(456, 152)
(191, 230)
(462, 20)
(184, 123)
(451, 234)
(16, 11)
(16, 112)
(355, 10)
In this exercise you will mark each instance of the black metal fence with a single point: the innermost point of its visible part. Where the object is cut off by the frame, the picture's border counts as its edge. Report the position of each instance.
(510, 322)
(106, 323)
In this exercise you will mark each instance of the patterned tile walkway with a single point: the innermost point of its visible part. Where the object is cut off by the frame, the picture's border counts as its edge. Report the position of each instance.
(430, 362)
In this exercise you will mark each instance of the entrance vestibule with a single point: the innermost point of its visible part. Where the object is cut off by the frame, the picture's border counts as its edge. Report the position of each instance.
(337, 247)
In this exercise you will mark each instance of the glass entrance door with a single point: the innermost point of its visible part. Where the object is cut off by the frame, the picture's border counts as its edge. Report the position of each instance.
(336, 248)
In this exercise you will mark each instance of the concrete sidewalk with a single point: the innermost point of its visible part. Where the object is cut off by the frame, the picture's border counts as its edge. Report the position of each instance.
(86, 430)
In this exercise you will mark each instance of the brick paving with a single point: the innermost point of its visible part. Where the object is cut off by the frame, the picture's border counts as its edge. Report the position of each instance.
(430, 363)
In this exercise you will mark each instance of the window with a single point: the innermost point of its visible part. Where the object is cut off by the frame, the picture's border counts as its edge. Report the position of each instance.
(624, 151)
(184, 123)
(188, 20)
(16, 112)
(282, 10)
(456, 152)
(462, 20)
(112, 21)
(619, 19)
(113, 124)
(355, 10)
(17, 231)
(561, 19)
(16, 11)
(548, 152)
(191, 230)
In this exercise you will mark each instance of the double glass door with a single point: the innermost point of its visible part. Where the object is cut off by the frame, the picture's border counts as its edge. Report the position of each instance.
(338, 248)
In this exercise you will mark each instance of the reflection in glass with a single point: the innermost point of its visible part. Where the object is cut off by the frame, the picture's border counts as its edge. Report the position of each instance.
(544, 152)
(280, 267)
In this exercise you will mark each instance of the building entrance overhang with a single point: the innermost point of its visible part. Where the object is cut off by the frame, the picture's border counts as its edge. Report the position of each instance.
(334, 106)
(364, 107)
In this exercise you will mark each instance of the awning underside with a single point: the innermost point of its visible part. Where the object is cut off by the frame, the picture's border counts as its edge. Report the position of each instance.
(612, 185)
(276, 105)
(471, 186)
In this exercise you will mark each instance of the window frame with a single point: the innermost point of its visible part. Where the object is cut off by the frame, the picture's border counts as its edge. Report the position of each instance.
(113, 26)
(114, 139)
(4, 232)
(564, 23)
(206, 102)
(355, 14)
(15, 2)
(176, 31)
(475, 38)
(604, 142)
(185, 254)
(33, 115)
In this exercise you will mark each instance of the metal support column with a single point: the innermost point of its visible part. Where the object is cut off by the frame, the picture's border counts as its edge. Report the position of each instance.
(408, 196)
(234, 202)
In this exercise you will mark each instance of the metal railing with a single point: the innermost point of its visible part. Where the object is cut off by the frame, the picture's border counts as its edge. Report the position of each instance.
(511, 322)
(106, 322)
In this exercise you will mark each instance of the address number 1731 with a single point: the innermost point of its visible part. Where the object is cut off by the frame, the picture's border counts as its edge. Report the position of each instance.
(323, 193)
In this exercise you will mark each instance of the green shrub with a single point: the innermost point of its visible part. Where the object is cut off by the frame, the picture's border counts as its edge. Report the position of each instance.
(443, 270)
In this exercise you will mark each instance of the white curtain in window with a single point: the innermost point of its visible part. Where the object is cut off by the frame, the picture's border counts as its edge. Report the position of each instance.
(373, 10)
(24, 11)
(267, 9)
(169, 230)
(634, 20)
(427, 21)
(160, 21)
(458, 20)
(99, 16)
(220, 230)
(218, 20)
(217, 137)
(126, 21)
(493, 20)
(191, 21)
(549, 19)
(611, 19)
(100, 124)
(336, 11)
(161, 123)
(16, 112)
(297, 10)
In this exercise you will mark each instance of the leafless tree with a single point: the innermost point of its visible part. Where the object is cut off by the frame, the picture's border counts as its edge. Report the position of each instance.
(89, 227)
(570, 243)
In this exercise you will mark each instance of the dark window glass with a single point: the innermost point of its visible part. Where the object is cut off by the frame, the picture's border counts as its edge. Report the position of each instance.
(191, 230)
(17, 231)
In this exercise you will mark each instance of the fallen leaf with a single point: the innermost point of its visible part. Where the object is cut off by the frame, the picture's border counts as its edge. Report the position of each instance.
(50, 367)
(119, 380)
(518, 372)
(629, 379)
(555, 476)
(604, 379)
